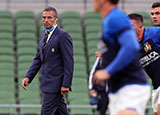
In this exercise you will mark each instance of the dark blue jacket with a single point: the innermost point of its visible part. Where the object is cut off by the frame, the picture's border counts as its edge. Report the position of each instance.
(56, 62)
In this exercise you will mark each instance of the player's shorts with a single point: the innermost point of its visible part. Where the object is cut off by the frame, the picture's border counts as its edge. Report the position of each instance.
(155, 99)
(130, 97)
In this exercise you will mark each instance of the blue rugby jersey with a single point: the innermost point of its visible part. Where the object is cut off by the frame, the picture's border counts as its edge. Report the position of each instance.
(119, 48)
(150, 54)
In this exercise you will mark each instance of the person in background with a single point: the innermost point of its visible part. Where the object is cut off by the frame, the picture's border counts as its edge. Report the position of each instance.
(98, 94)
(129, 91)
(55, 56)
(149, 38)
(155, 13)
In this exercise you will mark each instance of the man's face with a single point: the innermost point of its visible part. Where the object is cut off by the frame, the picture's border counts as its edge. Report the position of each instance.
(48, 19)
(136, 26)
(97, 5)
(155, 15)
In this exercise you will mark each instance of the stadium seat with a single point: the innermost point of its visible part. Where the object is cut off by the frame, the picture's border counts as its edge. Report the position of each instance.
(5, 14)
(90, 22)
(26, 28)
(7, 81)
(25, 59)
(93, 29)
(78, 44)
(92, 44)
(7, 58)
(25, 14)
(31, 96)
(6, 21)
(79, 96)
(80, 59)
(92, 36)
(92, 18)
(73, 29)
(26, 51)
(92, 25)
(6, 43)
(80, 85)
(6, 36)
(7, 94)
(76, 36)
(70, 14)
(91, 15)
(25, 21)
(6, 69)
(26, 36)
(72, 21)
(6, 28)
(78, 51)
(27, 43)
(7, 61)
(6, 50)
(80, 66)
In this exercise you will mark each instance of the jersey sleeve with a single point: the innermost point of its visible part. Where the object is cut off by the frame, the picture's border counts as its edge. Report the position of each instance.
(129, 48)
(158, 35)
(116, 25)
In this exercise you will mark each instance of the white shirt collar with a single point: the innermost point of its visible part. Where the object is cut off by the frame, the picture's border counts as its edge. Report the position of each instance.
(49, 35)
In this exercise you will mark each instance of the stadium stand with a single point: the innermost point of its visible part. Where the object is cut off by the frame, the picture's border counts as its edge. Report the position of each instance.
(26, 40)
(7, 94)
(92, 26)
(84, 30)
(71, 22)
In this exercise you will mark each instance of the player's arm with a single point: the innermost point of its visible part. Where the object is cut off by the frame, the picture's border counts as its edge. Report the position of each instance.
(129, 47)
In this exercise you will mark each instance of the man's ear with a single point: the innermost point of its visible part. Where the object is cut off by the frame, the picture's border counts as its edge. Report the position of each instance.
(56, 20)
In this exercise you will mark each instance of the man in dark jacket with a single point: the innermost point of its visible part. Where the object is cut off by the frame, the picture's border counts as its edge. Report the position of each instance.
(55, 56)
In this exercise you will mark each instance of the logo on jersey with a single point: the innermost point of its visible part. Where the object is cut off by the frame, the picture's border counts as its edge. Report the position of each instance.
(149, 58)
(147, 47)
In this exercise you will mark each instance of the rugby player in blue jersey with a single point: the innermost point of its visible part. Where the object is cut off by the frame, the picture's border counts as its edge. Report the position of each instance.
(128, 87)
(149, 39)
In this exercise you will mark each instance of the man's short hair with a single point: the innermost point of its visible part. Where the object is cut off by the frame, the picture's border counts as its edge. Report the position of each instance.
(114, 1)
(156, 4)
(52, 9)
(135, 16)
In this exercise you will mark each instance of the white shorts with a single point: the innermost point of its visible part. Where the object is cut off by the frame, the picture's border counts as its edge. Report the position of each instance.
(132, 97)
(155, 99)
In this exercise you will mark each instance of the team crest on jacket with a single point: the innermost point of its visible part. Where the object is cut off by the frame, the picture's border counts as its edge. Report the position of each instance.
(147, 47)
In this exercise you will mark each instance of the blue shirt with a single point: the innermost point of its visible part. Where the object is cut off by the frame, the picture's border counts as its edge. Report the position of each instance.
(119, 48)
(150, 54)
